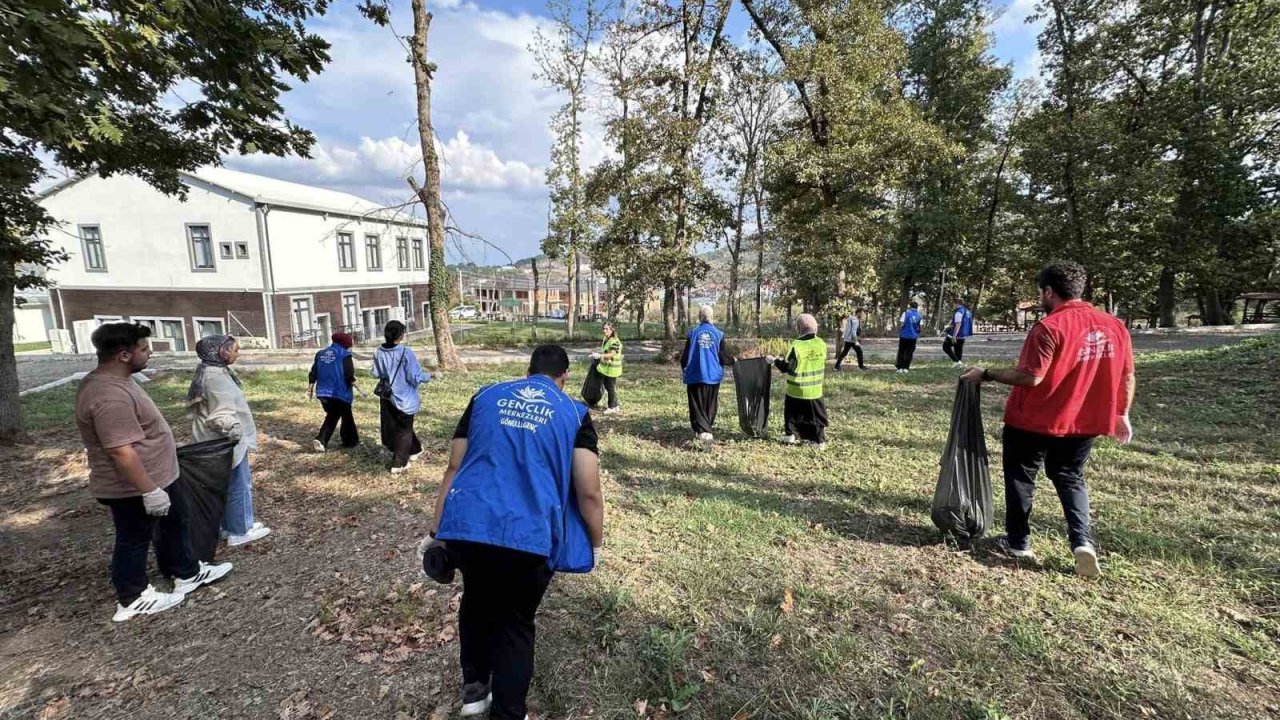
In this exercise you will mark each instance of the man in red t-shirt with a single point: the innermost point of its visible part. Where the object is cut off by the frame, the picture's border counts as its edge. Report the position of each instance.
(1073, 382)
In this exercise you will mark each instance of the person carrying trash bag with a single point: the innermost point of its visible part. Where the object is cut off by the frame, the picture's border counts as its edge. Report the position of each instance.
(218, 408)
(1073, 383)
(751, 380)
(133, 470)
(962, 506)
(609, 358)
(803, 411)
(519, 501)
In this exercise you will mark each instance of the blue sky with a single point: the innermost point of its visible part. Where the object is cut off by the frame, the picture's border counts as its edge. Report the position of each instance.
(490, 114)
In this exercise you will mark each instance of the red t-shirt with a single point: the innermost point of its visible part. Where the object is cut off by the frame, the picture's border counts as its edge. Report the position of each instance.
(1083, 356)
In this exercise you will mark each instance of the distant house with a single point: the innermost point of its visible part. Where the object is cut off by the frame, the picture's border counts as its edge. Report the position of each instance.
(244, 254)
(506, 294)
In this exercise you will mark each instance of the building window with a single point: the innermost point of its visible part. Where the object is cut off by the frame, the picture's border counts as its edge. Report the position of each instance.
(406, 302)
(372, 252)
(302, 320)
(209, 326)
(381, 317)
(242, 250)
(95, 259)
(402, 253)
(201, 247)
(224, 250)
(350, 312)
(418, 262)
(346, 252)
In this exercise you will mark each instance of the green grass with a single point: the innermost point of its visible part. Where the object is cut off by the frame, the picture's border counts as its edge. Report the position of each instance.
(26, 347)
(690, 610)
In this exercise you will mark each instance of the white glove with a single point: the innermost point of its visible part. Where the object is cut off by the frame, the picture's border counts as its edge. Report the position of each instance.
(426, 544)
(595, 356)
(156, 502)
(235, 433)
(770, 359)
(1124, 430)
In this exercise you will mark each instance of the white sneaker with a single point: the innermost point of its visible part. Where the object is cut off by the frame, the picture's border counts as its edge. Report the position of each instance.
(257, 532)
(414, 457)
(957, 364)
(476, 699)
(149, 602)
(820, 446)
(612, 410)
(398, 470)
(1086, 562)
(790, 440)
(707, 440)
(207, 574)
(317, 446)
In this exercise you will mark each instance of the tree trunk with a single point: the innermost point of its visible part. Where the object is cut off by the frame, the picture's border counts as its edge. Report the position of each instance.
(759, 254)
(669, 304)
(1166, 297)
(536, 283)
(571, 307)
(10, 405)
(438, 283)
(735, 258)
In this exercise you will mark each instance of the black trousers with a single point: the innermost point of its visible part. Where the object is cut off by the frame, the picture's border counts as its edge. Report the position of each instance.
(1063, 459)
(906, 350)
(611, 387)
(856, 347)
(704, 403)
(806, 419)
(398, 435)
(336, 410)
(954, 348)
(501, 591)
(136, 531)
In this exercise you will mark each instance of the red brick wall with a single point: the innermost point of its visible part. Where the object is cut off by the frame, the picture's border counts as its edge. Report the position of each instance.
(330, 301)
(84, 304)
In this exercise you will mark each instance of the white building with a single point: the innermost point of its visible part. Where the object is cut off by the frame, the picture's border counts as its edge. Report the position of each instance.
(244, 254)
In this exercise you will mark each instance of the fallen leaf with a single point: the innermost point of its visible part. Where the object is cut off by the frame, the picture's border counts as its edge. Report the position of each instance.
(641, 707)
(54, 709)
(708, 676)
(397, 654)
(295, 707)
(775, 642)
(447, 634)
(365, 658)
(742, 715)
(788, 602)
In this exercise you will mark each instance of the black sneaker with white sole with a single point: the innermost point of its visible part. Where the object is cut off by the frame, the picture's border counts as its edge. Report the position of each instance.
(207, 574)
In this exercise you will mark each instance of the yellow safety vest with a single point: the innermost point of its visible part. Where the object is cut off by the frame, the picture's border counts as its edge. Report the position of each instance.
(611, 368)
(805, 383)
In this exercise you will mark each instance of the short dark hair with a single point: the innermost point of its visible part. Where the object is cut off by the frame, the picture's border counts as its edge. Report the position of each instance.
(1067, 278)
(549, 360)
(915, 304)
(112, 338)
(393, 332)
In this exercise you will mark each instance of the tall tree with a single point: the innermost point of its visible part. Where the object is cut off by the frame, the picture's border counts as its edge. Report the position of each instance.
(565, 60)
(92, 84)
(438, 289)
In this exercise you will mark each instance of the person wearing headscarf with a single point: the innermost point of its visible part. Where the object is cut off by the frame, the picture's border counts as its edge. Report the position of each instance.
(332, 381)
(804, 413)
(399, 366)
(218, 408)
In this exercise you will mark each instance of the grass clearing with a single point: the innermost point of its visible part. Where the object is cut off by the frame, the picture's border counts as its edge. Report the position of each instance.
(763, 581)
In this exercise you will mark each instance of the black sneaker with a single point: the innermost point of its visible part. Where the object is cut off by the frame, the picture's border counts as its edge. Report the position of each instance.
(476, 699)
(1002, 545)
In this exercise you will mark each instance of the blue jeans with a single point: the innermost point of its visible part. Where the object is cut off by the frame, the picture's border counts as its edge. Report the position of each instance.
(237, 518)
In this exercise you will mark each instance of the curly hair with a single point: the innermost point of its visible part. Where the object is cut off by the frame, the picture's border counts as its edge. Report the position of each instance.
(1066, 277)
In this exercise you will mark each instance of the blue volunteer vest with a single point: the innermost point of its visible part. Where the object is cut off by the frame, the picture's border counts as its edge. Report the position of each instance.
(514, 488)
(966, 323)
(911, 326)
(330, 380)
(704, 356)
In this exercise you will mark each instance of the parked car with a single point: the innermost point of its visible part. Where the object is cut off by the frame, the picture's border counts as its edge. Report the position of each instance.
(464, 312)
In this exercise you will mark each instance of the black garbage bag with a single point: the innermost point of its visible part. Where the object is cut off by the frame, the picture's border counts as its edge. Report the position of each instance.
(206, 468)
(593, 386)
(751, 378)
(962, 500)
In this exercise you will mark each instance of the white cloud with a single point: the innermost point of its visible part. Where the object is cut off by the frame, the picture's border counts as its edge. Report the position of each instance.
(1013, 20)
